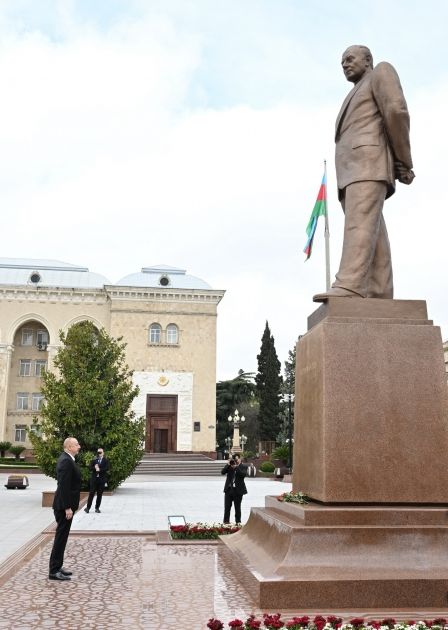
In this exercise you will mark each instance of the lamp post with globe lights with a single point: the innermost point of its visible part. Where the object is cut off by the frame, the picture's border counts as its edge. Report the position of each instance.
(228, 442)
(236, 420)
(243, 440)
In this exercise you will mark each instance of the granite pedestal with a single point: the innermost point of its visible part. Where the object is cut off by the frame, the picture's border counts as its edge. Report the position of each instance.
(371, 438)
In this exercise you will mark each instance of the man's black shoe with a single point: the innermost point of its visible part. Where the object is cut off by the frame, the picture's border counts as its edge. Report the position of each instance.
(65, 572)
(59, 576)
(97, 510)
(86, 510)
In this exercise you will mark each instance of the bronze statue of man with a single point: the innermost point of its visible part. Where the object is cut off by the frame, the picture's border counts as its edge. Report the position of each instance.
(372, 151)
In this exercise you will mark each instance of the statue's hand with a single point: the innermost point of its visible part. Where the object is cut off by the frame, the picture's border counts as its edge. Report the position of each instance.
(403, 174)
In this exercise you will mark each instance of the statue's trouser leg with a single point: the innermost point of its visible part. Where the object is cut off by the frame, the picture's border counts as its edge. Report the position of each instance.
(366, 266)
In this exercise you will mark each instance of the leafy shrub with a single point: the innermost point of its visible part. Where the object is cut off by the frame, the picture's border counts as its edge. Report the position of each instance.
(267, 467)
(281, 452)
(16, 451)
(4, 448)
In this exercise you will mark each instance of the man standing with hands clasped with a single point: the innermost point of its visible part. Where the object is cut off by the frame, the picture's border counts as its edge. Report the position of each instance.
(98, 467)
(372, 151)
(65, 504)
(234, 487)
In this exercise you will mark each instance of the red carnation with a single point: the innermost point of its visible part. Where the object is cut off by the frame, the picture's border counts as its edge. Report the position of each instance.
(237, 624)
(215, 624)
(272, 622)
(334, 621)
(357, 622)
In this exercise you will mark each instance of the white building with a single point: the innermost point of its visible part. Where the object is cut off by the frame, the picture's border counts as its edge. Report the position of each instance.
(166, 317)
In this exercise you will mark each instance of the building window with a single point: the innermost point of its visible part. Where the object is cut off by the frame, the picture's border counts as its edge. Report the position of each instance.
(39, 367)
(35, 277)
(155, 333)
(20, 433)
(196, 426)
(27, 337)
(172, 334)
(42, 339)
(25, 367)
(22, 401)
(37, 401)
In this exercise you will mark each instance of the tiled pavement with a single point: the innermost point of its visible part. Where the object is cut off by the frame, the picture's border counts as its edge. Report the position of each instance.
(21, 514)
(142, 503)
(122, 581)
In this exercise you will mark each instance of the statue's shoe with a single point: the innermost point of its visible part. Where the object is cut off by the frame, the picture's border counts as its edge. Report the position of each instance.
(335, 292)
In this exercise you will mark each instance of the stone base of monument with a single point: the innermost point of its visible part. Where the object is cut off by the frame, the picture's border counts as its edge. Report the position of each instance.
(336, 557)
(370, 448)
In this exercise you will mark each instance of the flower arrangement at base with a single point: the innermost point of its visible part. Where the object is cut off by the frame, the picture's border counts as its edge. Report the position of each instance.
(275, 622)
(293, 497)
(202, 531)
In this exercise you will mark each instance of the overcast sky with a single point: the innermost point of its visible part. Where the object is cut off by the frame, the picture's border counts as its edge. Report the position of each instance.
(193, 132)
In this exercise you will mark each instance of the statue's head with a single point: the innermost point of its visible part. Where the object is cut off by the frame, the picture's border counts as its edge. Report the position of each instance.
(356, 61)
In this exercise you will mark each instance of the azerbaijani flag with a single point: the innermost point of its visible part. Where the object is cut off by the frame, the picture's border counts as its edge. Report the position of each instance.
(320, 209)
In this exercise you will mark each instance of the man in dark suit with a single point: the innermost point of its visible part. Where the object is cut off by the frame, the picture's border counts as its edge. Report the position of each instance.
(372, 151)
(234, 487)
(98, 468)
(65, 504)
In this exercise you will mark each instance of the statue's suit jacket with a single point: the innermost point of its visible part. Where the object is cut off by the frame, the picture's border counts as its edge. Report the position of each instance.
(372, 130)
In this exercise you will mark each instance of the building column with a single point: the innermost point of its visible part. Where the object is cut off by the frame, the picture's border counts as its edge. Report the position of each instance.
(51, 353)
(6, 351)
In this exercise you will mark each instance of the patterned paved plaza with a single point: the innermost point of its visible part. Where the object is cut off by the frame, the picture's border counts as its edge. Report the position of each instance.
(122, 578)
(123, 582)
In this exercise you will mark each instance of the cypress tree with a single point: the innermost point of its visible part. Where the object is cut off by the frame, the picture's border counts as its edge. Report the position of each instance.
(268, 382)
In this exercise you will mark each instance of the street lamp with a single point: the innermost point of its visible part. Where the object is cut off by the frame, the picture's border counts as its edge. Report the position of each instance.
(228, 441)
(236, 420)
(243, 440)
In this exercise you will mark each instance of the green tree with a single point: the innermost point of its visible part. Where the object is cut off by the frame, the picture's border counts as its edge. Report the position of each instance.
(287, 406)
(230, 395)
(268, 382)
(89, 397)
(4, 448)
(289, 382)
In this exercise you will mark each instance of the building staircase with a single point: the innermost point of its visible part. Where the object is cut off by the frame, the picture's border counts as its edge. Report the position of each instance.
(178, 464)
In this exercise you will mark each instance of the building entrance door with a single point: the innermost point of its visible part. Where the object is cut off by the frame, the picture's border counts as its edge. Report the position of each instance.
(161, 424)
(160, 440)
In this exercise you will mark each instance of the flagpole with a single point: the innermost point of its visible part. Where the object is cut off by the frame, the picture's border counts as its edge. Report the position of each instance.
(327, 235)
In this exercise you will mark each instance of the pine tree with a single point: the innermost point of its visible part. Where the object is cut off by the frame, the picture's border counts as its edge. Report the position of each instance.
(268, 382)
(89, 397)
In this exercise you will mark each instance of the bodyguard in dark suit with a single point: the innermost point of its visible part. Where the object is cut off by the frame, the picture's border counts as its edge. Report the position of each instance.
(98, 468)
(65, 504)
(234, 487)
